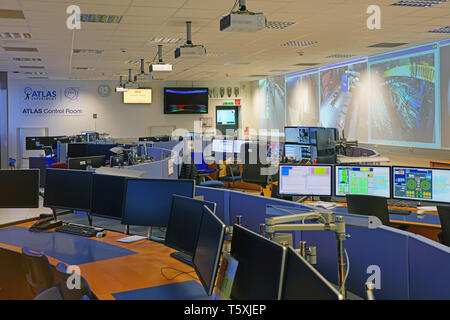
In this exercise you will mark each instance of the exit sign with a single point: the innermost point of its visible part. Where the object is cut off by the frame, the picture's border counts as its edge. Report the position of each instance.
(228, 103)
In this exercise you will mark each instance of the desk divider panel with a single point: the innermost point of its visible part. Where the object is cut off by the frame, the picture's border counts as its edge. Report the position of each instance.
(429, 269)
(220, 197)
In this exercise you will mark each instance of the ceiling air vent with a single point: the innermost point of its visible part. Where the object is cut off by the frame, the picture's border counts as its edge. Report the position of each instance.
(418, 3)
(387, 44)
(100, 18)
(278, 25)
(441, 30)
(294, 43)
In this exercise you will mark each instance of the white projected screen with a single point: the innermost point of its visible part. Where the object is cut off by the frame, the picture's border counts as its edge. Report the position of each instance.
(445, 96)
(422, 184)
(305, 180)
(371, 181)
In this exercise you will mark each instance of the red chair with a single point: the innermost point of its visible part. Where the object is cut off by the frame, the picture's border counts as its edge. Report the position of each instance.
(59, 165)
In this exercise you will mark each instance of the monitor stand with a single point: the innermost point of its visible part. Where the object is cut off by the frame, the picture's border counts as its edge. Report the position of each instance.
(183, 257)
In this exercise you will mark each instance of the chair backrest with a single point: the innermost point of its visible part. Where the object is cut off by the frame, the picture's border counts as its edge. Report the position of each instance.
(444, 217)
(199, 165)
(368, 206)
(81, 293)
(49, 294)
(50, 161)
(38, 271)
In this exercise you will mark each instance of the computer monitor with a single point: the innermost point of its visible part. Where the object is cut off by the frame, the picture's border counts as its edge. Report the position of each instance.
(363, 180)
(19, 188)
(313, 135)
(184, 223)
(208, 249)
(299, 135)
(306, 180)
(298, 152)
(148, 201)
(222, 146)
(107, 196)
(274, 150)
(259, 274)
(68, 189)
(303, 282)
(77, 150)
(421, 184)
(85, 163)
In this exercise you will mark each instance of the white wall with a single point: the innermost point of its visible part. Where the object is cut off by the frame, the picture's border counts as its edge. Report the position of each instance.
(118, 119)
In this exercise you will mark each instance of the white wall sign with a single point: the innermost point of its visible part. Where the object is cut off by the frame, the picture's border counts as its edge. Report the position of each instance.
(38, 100)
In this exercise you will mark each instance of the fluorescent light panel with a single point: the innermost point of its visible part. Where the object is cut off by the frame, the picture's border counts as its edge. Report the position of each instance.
(100, 18)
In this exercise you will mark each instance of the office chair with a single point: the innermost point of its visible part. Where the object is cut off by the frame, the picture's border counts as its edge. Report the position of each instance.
(49, 294)
(38, 271)
(444, 218)
(203, 166)
(369, 206)
(83, 293)
(189, 171)
(233, 173)
(12, 163)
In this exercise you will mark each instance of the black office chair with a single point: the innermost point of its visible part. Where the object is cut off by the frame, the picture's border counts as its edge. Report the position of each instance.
(49, 294)
(83, 293)
(38, 271)
(369, 206)
(444, 217)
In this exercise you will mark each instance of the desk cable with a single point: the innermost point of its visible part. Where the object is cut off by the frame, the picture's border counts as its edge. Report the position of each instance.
(180, 272)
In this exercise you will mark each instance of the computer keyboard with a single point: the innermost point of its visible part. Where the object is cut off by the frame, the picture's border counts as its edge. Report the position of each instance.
(402, 203)
(183, 257)
(79, 230)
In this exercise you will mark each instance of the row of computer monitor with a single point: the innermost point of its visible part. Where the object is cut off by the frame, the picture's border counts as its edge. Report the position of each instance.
(266, 270)
(308, 135)
(398, 182)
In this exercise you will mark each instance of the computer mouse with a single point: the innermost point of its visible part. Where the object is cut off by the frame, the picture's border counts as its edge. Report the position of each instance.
(100, 234)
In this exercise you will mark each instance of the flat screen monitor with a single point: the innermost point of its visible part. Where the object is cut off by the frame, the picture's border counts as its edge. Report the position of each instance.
(77, 150)
(148, 201)
(223, 146)
(84, 163)
(184, 223)
(226, 117)
(107, 196)
(421, 184)
(299, 135)
(143, 96)
(208, 249)
(303, 282)
(363, 180)
(313, 180)
(186, 100)
(19, 188)
(259, 274)
(68, 189)
(274, 151)
(313, 135)
(297, 152)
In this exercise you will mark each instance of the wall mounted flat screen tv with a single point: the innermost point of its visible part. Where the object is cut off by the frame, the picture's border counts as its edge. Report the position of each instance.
(138, 96)
(185, 100)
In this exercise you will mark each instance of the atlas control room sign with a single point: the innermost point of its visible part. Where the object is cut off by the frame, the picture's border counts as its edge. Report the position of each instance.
(37, 100)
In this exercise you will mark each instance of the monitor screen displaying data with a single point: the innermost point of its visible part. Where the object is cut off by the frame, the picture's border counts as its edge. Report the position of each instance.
(422, 184)
(371, 181)
(297, 152)
(226, 117)
(305, 180)
(222, 146)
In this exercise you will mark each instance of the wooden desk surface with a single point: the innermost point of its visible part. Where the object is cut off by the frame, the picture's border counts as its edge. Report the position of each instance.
(130, 272)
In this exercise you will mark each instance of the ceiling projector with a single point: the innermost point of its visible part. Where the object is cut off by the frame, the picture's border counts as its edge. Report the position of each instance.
(160, 66)
(143, 76)
(243, 20)
(189, 50)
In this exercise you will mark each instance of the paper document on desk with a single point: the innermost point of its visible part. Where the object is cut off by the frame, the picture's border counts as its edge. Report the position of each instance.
(131, 239)
(427, 208)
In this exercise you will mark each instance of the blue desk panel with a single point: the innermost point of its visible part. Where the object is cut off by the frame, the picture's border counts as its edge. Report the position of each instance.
(429, 269)
(188, 290)
(384, 247)
(220, 197)
(70, 249)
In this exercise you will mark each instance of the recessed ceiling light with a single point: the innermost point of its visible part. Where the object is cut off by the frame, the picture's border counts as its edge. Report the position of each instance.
(278, 25)
(20, 49)
(14, 35)
(387, 44)
(294, 43)
(100, 18)
(258, 75)
(83, 68)
(11, 14)
(32, 67)
(27, 59)
(87, 51)
(418, 3)
(341, 55)
(441, 30)
(38, 78)
(279, 70)
(215, 54)
(166, 40)
(37, 73)
(236, 63)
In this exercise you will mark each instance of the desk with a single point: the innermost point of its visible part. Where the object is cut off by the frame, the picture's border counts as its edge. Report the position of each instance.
(125, 273)
(13, 216)
(440, 163)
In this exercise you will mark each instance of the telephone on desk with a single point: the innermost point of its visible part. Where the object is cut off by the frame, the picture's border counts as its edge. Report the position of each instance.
(45, 222)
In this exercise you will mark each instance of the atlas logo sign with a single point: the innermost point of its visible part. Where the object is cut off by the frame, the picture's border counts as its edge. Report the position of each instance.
(41, 95)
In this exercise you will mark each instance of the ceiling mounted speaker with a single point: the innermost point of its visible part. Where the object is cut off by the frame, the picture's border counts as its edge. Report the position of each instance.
(216, 92)
(222, 92)
(236, 92)
(229, 92)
